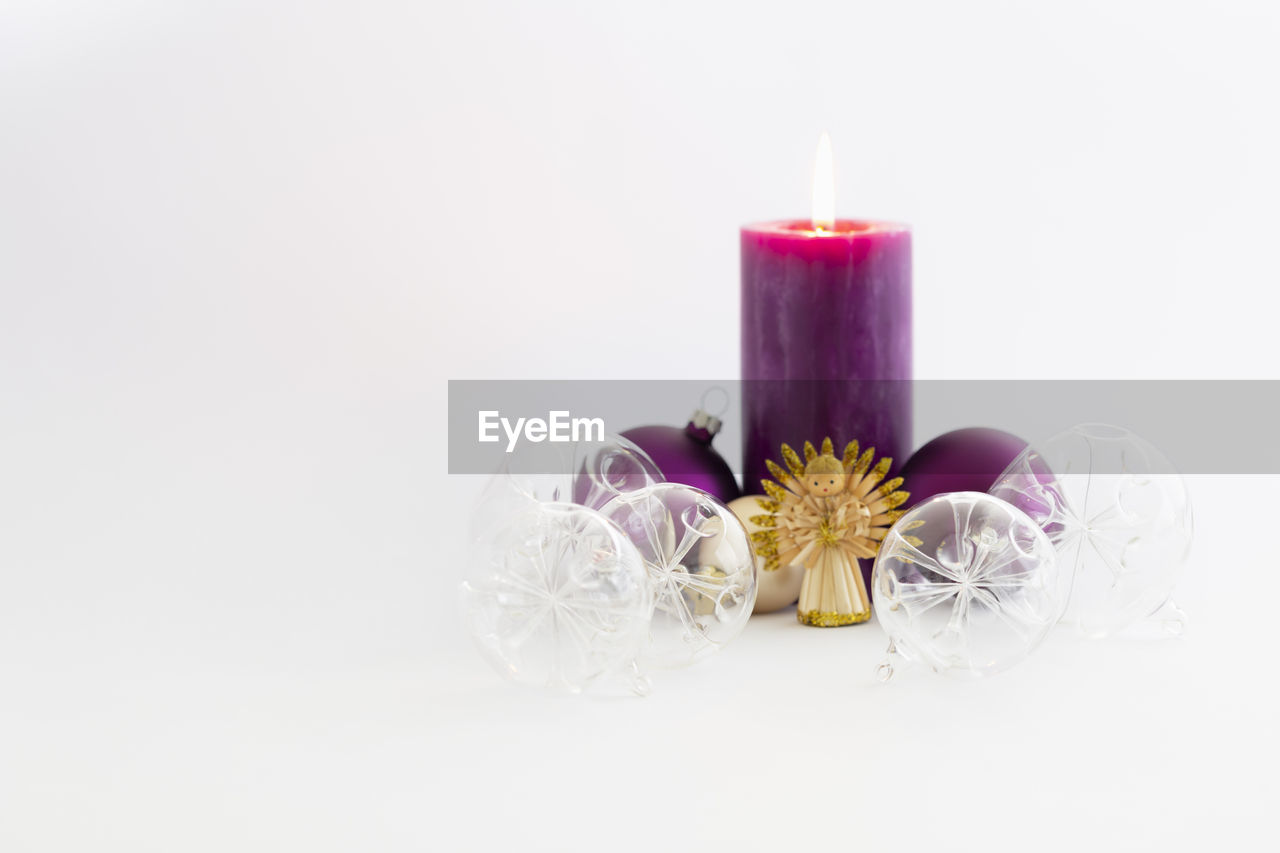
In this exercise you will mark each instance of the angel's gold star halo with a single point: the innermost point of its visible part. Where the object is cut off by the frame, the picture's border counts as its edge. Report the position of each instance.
(797, 524)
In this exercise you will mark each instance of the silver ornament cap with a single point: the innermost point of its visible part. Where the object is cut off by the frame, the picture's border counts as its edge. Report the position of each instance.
(702, 421)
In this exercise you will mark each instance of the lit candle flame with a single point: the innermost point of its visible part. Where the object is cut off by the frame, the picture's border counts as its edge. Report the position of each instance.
(824, 187)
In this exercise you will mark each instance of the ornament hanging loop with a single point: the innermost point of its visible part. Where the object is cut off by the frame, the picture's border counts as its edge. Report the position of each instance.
(715, 402)
(885, 669)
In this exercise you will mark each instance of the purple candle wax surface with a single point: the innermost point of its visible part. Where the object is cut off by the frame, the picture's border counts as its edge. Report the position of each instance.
(826, 338)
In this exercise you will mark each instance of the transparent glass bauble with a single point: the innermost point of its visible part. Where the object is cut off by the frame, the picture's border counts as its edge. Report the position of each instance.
(586, 473)
(1120, 517)
(966, 584)
(557, 596)
(701, 566)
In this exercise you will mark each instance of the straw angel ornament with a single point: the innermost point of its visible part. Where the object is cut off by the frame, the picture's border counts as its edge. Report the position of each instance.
(826, 514)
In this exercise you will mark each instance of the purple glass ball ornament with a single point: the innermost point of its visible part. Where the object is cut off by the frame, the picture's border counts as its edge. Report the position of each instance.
(963, 460)
(685, 455)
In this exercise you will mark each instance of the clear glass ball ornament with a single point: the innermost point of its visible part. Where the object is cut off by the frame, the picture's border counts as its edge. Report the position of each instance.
(586, 473)
(557, 596)
(700, 563)
(966, 584)
(1120, 517)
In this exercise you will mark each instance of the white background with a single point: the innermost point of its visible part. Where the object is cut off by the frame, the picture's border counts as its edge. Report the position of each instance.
(244, 245)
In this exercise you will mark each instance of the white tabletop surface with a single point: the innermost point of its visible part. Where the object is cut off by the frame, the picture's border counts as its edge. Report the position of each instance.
(248, 723)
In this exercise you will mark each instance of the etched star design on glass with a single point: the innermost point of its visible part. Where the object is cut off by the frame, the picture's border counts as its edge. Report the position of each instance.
(965, 583)
(558, 597)
(700, 564)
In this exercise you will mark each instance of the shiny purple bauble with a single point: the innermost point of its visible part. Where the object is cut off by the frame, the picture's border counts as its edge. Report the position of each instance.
(963, 460)
(685, 455)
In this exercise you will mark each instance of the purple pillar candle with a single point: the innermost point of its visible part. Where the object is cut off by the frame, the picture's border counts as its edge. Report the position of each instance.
(826, 338)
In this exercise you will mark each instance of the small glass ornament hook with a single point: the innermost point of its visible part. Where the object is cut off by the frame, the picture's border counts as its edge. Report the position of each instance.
(1171, 618)
(886, 669)
(640, 683)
